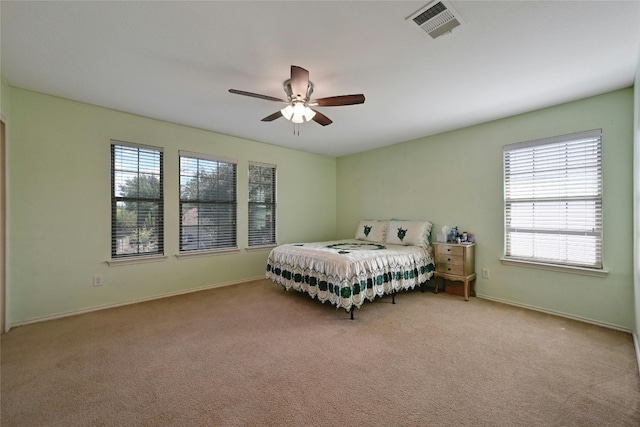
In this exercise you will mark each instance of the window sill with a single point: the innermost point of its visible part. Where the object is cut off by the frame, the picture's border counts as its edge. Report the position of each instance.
(117, 262)
(209, 252)
(260, 247)
(554, 267)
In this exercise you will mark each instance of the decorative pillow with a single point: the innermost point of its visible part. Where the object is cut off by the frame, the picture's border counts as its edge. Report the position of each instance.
(409, 233)
(372, 231)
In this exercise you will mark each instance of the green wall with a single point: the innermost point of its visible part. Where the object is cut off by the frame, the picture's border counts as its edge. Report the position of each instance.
(59, 206)
(4, 96)
(455, 179)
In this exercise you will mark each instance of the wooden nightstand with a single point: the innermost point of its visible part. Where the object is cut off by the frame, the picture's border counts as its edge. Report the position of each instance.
(456, 263)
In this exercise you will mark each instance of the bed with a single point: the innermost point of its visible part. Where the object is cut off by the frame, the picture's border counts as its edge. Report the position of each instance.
(385, 257)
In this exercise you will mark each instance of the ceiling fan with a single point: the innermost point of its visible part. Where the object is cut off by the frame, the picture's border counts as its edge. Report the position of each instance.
(299, 89)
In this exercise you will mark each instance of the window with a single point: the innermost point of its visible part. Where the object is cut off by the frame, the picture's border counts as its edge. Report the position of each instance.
(262, 204)
(553, 200)
(136, 200)
(208, 202)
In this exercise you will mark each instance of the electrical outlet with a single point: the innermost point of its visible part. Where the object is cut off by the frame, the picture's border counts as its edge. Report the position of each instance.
(486, 273)
(97, 280)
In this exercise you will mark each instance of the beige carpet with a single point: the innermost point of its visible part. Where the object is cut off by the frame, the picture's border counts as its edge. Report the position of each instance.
(254, 354)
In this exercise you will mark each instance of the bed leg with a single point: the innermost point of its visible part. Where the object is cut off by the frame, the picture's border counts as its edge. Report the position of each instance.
(351, 311)
(393, 297)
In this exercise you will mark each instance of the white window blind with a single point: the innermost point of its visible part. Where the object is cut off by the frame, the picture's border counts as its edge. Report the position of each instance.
(553, 200)
(136, 200)
(262, 204)
(208, 202)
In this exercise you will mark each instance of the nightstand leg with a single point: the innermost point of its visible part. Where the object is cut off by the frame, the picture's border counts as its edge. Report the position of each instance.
(466, 290)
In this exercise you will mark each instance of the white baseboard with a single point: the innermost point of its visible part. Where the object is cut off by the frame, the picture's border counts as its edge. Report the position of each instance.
(134, 301)
(558, 313)
(636, 344)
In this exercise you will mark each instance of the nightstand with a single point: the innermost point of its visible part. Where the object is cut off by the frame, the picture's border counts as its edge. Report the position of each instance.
(456, 263)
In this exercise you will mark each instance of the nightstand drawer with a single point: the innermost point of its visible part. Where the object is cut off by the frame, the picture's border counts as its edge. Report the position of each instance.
(451, 250)
(451, 259)
(450, 269)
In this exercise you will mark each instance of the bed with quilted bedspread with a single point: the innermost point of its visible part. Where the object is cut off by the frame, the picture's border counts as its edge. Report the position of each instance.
(386, 257)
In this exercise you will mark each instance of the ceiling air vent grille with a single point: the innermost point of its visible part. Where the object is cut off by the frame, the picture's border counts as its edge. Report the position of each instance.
(436, 18)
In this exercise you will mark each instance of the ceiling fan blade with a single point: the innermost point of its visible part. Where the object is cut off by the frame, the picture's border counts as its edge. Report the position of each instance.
(334, 101)
(321, 118)
(256, 95)
(272, 117)
(299, 81)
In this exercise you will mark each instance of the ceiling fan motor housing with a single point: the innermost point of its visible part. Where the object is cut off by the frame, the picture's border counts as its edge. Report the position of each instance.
(289, 91)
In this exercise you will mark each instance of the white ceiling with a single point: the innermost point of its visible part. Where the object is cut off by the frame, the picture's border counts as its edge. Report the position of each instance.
(175, 61)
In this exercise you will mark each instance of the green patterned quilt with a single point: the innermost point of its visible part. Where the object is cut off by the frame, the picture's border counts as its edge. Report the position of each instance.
(348, 272)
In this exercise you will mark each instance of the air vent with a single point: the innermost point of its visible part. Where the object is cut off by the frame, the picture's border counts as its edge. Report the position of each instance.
(436, 18)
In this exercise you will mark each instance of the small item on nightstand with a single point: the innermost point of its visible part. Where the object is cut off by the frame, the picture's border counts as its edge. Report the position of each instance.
(442, 238)
(453, 235)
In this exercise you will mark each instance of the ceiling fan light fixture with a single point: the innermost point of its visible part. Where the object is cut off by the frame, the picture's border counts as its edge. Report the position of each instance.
(287, 112)
(308, 113)
(298, 112)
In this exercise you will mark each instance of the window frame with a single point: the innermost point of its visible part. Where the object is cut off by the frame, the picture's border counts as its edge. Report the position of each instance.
(115, 199)
(201, 249)
(591, 197)
(252, 204)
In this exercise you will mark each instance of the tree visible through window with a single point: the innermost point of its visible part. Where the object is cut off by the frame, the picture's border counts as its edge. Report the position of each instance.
(553, 200)
(136, 200)
(262, 204)
(208, 203)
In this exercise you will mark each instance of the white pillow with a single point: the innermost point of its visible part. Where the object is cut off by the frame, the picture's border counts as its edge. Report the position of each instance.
(409, 233)
(372, 231)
